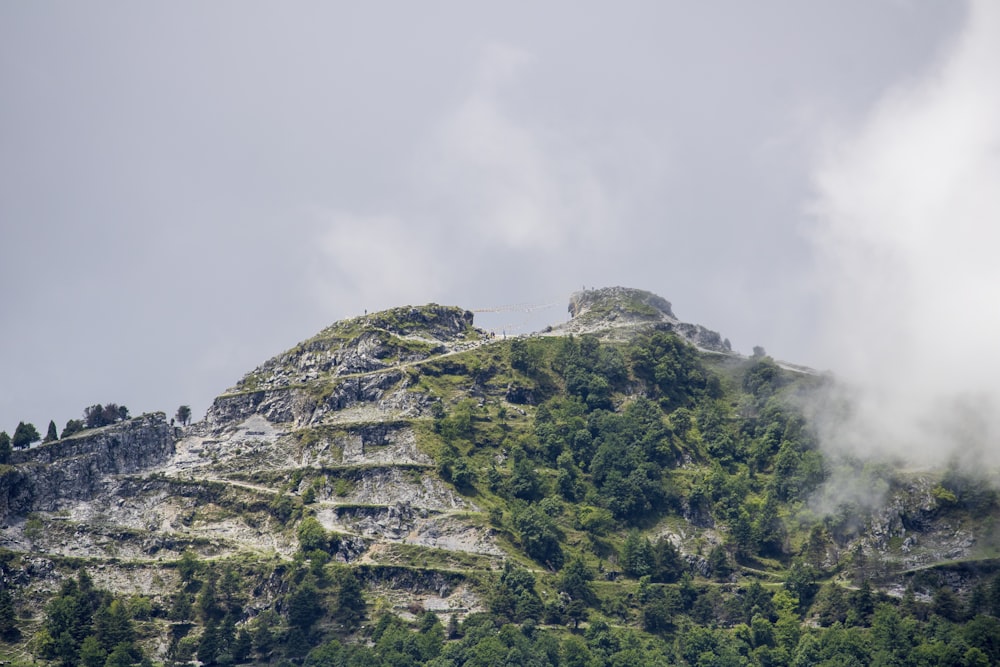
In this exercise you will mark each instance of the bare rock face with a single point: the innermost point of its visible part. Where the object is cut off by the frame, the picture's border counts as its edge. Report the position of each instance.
(74, 468)
(364, 345)
(352, 364)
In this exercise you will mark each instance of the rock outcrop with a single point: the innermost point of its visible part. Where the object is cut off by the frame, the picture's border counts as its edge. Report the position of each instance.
(364, 345)
(43, 478)
(620, 312)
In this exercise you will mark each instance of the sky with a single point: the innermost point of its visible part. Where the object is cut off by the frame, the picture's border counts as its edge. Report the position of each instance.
(187, 189)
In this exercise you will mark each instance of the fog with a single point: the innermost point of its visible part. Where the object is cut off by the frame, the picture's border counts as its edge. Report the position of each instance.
(907, 230)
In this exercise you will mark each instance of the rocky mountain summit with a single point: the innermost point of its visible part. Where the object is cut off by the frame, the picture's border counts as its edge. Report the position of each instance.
(621, 311)
(425, 455)
(341, 403)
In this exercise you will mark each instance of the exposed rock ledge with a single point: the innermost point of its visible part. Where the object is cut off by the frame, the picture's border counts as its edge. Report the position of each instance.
(621, 311)
(73, 468)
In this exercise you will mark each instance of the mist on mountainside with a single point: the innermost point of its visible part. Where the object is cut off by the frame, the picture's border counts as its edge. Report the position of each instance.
(907, 209)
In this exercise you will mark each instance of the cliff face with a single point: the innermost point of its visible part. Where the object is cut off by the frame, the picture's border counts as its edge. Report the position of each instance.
(40, 479)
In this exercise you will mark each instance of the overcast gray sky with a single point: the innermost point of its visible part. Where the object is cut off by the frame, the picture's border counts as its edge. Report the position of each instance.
(188, 188)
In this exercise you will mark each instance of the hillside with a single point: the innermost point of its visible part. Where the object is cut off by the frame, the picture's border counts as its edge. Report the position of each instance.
(403, 488)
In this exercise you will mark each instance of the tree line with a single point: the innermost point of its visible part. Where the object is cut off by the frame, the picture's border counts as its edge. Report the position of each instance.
(94, 416)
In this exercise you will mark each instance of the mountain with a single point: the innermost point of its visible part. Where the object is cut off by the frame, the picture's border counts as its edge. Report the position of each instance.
(623, 472)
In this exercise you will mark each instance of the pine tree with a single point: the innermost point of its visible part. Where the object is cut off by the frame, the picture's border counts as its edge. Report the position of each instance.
(242, 646)
(51, 434)
(5, 449)
(208, 647)
(637, 557)
(350, 601)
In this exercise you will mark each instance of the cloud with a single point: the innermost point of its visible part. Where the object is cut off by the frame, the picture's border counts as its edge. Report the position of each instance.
(376, 261)
(907, 235)
(486, 191)
(508, 180)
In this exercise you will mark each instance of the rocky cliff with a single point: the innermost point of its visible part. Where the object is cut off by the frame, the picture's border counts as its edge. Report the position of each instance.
(47, 477)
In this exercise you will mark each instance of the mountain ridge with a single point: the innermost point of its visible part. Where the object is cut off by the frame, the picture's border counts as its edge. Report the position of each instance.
(422, 456)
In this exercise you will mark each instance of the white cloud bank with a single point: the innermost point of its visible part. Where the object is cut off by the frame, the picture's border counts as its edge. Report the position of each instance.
(908, 239)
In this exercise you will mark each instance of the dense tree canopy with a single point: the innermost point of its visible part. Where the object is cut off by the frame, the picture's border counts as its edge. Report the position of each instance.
(52, 433)
(97, 415)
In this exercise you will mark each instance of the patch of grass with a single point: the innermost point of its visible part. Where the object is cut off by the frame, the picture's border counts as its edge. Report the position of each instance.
(34, 527)
(342, 487)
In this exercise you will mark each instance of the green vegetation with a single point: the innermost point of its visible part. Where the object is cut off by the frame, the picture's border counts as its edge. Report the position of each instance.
(72, 426)
(24, 435)
(183, 415)
(87, 626)
(97, 415)
(651, 502)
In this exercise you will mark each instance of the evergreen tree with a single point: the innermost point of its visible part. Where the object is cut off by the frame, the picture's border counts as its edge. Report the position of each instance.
(993, 596)
(668, 562)
(350, 601)
(242, 645)
(637, 557)
(91, 653)
(180, 610)
(5, 448)
(261, 633)
(51, 434)
(718, 562)
(8, 616)
(188, 566)
(576, 612)
(208, 603)
(304, 604)
(113, 626)
(208, 647)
